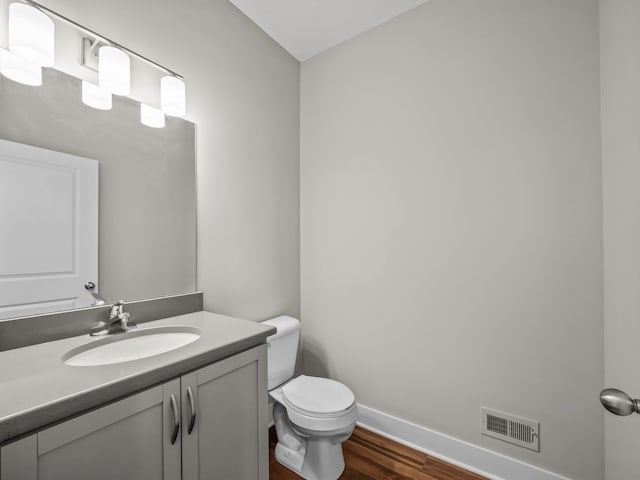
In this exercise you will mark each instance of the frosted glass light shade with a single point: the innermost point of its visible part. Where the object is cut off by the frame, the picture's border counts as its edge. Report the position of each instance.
(151, 117)
(18, 70)
(31, 34)
(95, 96)
(114, 70)
(173, 96)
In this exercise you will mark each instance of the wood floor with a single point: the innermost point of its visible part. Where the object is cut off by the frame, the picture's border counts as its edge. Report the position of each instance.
(371, 457)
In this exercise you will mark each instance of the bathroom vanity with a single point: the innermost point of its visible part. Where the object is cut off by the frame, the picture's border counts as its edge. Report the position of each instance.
(198, 411)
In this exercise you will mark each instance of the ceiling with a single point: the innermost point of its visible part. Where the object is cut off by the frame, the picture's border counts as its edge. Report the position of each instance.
(307, 27)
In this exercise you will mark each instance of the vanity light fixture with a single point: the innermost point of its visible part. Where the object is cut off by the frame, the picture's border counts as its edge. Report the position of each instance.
(151, 117)
(173, 96)
(19, 70)
(114, 70)
(95, 96)
(31, 34)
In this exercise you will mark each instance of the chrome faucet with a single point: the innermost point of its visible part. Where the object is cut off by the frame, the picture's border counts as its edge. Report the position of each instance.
(118, 321)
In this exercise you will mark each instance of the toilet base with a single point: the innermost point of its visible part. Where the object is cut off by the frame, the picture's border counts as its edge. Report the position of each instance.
(324, 460)
(291, 459)
(320, 460)
(312, 455)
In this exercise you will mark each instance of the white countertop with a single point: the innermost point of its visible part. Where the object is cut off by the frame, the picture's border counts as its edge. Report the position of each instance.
(37, 388)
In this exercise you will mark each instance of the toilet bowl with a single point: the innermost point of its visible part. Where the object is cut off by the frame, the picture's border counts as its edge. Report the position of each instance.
(313, 416)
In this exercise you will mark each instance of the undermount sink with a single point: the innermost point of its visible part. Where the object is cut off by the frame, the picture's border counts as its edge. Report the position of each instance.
(131, 345)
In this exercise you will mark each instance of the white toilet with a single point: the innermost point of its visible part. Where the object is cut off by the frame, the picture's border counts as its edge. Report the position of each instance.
(312, 415)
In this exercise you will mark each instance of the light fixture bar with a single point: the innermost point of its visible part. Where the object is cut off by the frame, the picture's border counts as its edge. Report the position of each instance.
(99, 37)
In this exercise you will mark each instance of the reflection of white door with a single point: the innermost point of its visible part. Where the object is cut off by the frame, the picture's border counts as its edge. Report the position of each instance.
(48, 230)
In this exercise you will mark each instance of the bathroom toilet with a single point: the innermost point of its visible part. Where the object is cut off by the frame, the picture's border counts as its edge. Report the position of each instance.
(313, 416)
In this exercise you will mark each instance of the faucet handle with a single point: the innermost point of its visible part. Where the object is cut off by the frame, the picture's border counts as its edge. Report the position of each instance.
(117, 309)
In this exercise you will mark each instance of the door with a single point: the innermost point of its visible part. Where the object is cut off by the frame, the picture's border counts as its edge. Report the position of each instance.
(48, 230)
(620, 89)
(224, 418)
(131, 439)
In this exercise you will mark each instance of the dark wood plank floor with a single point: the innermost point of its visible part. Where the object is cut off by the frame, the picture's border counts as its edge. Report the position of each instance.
(371, 457)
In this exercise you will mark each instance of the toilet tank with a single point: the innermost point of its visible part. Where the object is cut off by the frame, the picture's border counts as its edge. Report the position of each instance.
(283, 349)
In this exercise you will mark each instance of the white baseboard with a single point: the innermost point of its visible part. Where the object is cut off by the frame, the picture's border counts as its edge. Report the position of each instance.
(486, 463)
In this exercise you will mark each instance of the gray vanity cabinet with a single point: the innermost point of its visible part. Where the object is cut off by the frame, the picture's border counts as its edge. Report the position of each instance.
(222, 415)
(128, 439)
(229, 438)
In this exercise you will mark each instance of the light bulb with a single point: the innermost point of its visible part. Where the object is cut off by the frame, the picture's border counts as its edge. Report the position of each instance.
(31, 34)
(18, 70)
(95, 96)
(114, 70)
(173, 96)
(151, 117)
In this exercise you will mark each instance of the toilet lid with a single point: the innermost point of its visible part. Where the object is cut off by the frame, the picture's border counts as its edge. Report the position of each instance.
(318, 395)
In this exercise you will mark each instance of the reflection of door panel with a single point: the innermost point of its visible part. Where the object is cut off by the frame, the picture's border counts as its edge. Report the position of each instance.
(48, 230)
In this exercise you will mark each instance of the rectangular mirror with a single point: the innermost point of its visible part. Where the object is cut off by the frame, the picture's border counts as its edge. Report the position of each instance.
(143, 225)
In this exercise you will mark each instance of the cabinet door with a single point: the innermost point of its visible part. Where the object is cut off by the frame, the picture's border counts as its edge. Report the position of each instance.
(228, 439)
(126, 440)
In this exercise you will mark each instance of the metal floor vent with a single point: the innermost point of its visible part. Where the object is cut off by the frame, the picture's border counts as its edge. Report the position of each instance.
(509, 428)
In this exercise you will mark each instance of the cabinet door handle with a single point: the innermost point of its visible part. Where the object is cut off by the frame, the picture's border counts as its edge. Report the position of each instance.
(192, 410)
(176, 419)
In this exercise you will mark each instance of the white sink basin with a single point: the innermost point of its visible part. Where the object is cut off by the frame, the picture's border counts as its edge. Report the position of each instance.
(132, 345)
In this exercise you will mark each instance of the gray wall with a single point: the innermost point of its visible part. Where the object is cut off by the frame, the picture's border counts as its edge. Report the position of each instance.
(620, 64)
(243, 93)
(451, 221)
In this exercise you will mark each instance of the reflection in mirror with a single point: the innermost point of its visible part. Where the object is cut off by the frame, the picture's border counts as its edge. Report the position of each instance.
(142, 228)
(49, 239)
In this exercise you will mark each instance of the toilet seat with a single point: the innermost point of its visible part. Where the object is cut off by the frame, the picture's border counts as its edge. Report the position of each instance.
(310, 404)
(317, 396)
